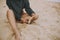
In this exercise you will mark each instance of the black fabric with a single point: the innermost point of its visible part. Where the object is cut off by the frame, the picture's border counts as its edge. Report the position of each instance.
(17, 7)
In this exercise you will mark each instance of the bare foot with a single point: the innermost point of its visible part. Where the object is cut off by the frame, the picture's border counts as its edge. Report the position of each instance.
(33, 18)
(17, 36)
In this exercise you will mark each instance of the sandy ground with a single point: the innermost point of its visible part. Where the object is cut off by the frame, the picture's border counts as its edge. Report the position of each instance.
(47, 27)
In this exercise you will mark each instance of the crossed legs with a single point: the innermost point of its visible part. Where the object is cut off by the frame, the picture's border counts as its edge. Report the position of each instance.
(12, 21)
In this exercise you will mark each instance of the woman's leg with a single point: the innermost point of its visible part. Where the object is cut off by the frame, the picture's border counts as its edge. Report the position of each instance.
(28, 19)
(11, 19)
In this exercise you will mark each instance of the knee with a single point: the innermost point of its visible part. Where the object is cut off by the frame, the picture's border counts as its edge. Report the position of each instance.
(9, 13)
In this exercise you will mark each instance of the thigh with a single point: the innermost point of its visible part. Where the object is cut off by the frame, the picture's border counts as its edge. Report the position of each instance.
(10, 12)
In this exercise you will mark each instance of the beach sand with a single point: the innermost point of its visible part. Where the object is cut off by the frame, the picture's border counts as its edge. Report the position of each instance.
(46, 27)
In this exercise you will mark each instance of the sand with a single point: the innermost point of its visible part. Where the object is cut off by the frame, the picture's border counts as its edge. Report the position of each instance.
(47, 27)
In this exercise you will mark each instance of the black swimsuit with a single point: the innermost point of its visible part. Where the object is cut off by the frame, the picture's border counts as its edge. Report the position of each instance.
(17, 7)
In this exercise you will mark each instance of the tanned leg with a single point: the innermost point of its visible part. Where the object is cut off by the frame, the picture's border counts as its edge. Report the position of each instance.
(11, 19)
(28, 19)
